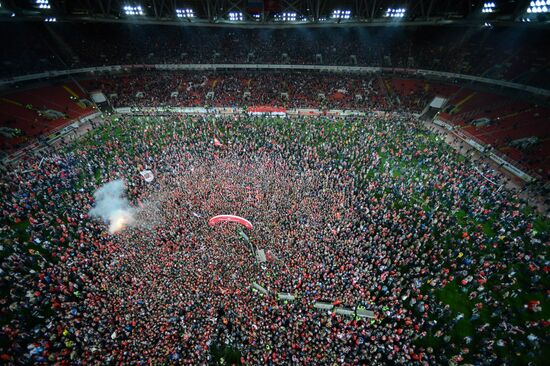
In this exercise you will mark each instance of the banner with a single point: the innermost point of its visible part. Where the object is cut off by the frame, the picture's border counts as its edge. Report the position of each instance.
(147, 175)
(261, 110)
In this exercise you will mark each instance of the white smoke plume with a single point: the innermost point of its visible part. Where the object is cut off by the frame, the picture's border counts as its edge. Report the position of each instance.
(112, 206)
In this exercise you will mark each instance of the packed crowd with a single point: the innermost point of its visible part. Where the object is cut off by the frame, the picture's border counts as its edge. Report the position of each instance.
(371, 211)
(240, 89)
(510, 53)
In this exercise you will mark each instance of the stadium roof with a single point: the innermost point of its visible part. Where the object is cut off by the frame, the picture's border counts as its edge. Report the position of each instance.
(275, 12)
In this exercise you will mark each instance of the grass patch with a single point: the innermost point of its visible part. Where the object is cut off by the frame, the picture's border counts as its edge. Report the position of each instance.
(541, 225)
(455, 298)
(225, 355)
(21, 230)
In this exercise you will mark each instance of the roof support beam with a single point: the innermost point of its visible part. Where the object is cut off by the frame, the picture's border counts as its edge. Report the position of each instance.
(155, 9)
(373, 9)
(430, 7)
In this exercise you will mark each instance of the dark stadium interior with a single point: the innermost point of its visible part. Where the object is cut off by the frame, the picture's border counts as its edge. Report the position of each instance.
(503, 53)
(274, 182)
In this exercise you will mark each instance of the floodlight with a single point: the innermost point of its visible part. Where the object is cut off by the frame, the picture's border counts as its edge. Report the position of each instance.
(43, 4)
(50, 20)
(235, 16)
(538, 7)
(395, 12)
(185, 13)
(286, 17)
(133, 10)
(488, 7)
(341, 14)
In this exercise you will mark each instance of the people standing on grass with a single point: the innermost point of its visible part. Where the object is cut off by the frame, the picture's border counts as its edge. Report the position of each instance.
(368, 211)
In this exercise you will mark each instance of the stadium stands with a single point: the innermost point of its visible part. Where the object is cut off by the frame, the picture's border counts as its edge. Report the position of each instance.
(512, 119)
(359, 233)
(39, 111)
(453, 49)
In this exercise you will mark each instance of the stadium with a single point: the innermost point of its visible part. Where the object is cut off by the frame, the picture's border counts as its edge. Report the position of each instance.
(274, 182)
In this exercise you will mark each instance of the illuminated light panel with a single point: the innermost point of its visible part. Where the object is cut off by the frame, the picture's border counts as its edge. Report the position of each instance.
(236, 16)
(43, 4)
(185, 13)
(539, 7)
(395, 12)
(341, 14)
(133, 10)
(286, 17)
(488, 8)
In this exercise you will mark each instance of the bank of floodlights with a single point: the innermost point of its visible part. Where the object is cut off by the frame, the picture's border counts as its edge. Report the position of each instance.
(133, 10)
(488, 8)
(341, 14)
(43, 4)
(185, 13)
(539, 7)
(50, 20)
(286, 17)
(395, 12)
(236, 16)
